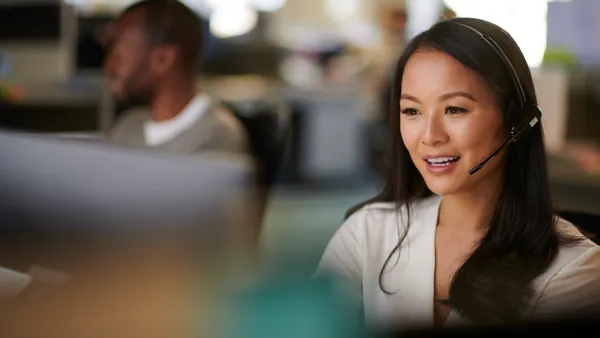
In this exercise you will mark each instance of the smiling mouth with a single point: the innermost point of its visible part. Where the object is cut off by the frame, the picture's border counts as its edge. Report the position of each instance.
(442, 161)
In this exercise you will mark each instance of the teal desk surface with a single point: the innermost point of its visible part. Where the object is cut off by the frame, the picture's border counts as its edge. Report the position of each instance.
(293, 309)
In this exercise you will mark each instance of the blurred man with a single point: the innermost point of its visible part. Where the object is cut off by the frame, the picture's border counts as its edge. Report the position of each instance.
(153, 61)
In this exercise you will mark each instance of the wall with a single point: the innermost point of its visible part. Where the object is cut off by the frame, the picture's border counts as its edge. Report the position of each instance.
(34, 62)
(576, 25)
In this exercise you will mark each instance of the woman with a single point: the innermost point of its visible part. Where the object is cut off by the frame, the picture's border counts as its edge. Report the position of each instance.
(440, 246)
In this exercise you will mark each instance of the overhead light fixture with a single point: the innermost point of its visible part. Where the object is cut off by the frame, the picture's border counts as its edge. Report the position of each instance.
(233, 18)
(202, 7)
(206, 7)
(525, 21)
(267, 5)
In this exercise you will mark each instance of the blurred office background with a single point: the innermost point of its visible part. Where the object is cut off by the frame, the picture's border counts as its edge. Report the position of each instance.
(323, 62)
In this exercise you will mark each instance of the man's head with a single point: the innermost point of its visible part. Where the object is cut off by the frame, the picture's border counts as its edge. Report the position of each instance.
(154, 42)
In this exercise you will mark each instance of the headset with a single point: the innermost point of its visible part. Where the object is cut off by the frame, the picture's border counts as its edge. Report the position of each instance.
(532, 113)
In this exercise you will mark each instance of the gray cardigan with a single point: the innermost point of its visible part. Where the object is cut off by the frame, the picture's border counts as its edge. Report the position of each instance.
(217, 130)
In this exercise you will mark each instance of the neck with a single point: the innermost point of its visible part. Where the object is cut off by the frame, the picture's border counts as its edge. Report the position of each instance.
(471, 210)
(171, 99)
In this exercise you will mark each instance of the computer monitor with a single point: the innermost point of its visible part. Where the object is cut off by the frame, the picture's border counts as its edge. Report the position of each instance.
(16, 20)
(57, 196)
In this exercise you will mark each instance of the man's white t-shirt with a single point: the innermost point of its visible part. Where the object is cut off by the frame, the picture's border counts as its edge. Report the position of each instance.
(160, 132)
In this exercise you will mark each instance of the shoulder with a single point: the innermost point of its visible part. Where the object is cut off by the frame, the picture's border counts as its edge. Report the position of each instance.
(368, 236)
(373, 230)
(131, 121)
(576, 248)
(572, 282)
(384, 217)
(130, 118)
(374, 213)
(221, 130)
(225, 120)
(380, 225)
(348, 250)
(135, 115)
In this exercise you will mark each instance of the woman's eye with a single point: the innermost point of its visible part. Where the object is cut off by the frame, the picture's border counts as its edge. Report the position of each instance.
(409, 112)
(455, 110)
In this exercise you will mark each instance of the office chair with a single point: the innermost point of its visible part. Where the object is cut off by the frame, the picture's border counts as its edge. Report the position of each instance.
(587, 222)
(268, 129)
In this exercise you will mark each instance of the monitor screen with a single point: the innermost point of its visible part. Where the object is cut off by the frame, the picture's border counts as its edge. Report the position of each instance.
(30, 22)
(57, 194)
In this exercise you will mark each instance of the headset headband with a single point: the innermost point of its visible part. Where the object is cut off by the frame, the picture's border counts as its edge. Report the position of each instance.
(502, 55)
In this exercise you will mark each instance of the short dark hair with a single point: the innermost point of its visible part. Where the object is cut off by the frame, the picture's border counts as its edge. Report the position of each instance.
(494, 283)
(173, 23)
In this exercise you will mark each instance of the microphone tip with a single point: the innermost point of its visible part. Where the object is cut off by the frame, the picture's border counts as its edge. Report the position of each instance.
(475, 169)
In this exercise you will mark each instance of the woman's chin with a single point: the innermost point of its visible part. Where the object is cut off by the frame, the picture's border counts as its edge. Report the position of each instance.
(443, 186)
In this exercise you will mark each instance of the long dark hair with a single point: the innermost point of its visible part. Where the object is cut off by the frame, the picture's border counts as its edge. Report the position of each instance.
(494, 284)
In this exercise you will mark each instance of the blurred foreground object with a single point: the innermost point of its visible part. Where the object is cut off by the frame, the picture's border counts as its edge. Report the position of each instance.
(52, 183)
(289, 307)
(12, 283)
(119, 242)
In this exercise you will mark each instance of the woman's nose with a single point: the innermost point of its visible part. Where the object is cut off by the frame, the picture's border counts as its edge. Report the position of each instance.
(435, 131)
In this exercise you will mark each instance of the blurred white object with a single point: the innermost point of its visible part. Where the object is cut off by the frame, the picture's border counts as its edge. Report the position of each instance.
(525, 21)
(48, 276)
(12, 283)
(300, 37)
(206, 7)
(361, 34)
(203, 7)
(299, 71)
(298, 21)
(422, 15)
(232, 18)
(343, 11)
(267, 5)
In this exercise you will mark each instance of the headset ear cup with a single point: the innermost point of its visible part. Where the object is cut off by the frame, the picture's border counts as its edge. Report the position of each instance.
(531, 117)
(535, 112)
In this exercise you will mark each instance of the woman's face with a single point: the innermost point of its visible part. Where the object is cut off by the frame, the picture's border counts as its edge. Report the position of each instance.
(449, 122)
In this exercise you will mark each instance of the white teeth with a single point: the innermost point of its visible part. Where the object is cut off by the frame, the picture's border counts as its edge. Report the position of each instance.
(441, 160)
